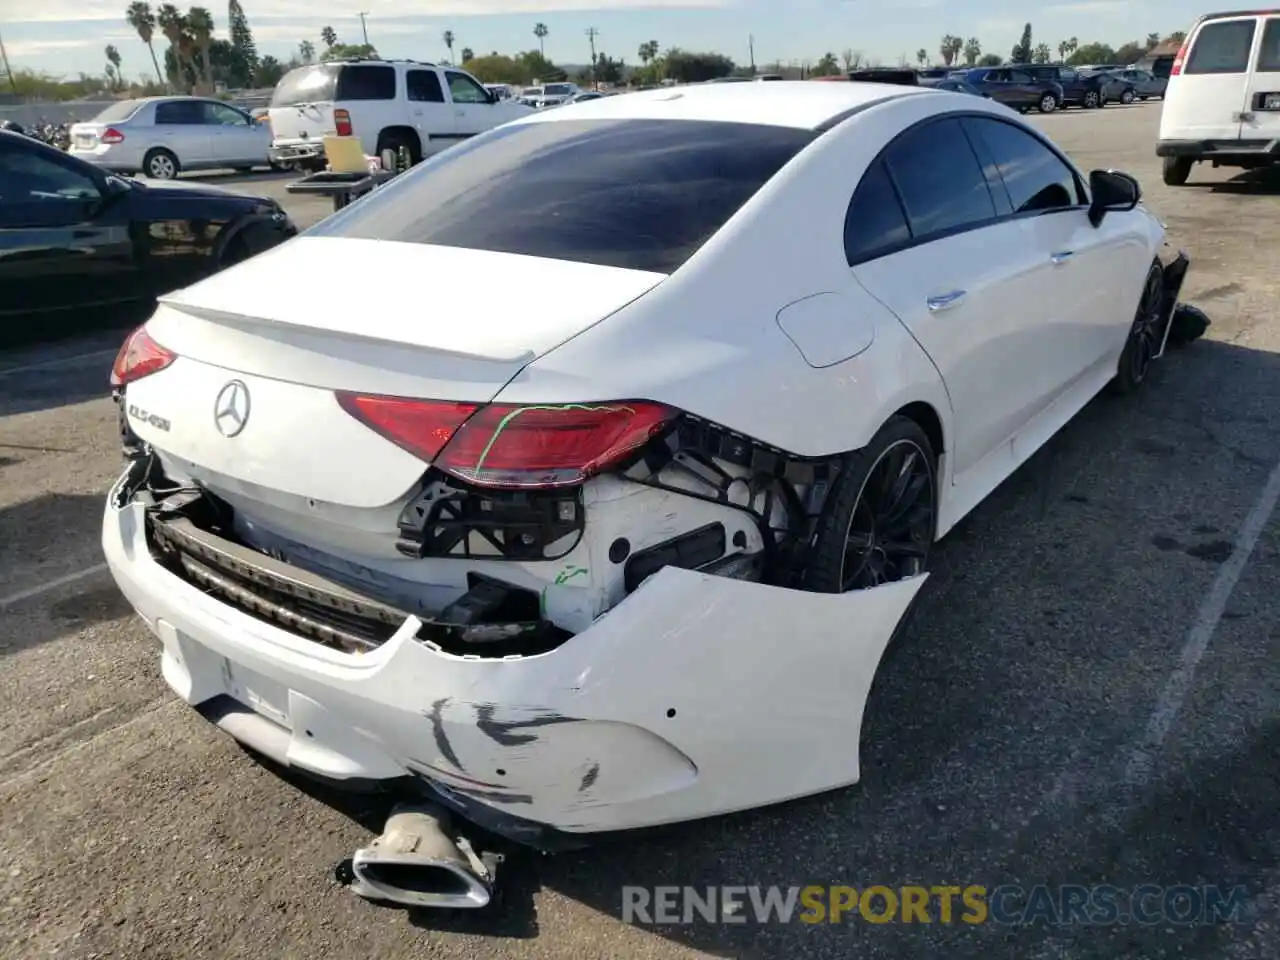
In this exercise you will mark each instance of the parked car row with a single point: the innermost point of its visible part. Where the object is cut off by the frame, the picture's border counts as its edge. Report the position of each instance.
(76, 237)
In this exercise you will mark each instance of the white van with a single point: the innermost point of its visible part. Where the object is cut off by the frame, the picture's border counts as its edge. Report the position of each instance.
(1223, 100)
(388, 104)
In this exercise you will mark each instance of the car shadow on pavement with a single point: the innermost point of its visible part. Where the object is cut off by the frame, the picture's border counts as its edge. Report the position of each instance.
(33, 536)
(1265, 182)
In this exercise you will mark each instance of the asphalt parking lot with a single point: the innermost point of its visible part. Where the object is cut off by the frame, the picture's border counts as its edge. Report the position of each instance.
(1089, 694)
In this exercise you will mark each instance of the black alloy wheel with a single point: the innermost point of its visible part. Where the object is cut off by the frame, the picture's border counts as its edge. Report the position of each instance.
(1146, 335)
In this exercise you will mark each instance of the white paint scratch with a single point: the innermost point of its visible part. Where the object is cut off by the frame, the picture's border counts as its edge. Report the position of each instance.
(49, 585)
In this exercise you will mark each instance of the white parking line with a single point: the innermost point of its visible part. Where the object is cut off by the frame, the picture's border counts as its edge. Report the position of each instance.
(54, 584)
(60, 362)
(1141, 763)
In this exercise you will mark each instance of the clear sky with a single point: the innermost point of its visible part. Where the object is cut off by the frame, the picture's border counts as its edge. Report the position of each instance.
(68, 36)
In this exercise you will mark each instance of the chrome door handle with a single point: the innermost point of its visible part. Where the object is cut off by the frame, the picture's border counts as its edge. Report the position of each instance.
(1062, 256)
(459, 113)
(946, 301)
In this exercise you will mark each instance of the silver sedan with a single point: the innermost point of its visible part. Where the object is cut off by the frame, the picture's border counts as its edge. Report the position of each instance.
(163, 136)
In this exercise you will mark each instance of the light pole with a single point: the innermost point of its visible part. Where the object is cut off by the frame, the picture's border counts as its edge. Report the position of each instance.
(13, 82)
(592, 33)
(363, 28)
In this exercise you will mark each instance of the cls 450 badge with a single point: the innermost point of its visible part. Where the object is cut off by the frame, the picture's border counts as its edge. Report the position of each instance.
(150, 419)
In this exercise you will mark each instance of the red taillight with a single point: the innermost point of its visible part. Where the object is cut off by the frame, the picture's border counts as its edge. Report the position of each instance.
(111, 135)
(139, 357)
(342, 123)
(421, 427)
(549, 446)
(1180, 59)
(512, 446)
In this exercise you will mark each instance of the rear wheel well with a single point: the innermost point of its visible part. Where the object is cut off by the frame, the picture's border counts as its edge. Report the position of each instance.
(401, 135)
(927, 419)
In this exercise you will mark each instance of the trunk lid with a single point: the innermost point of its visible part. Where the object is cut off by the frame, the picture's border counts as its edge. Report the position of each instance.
(321, 314)
(86, 136)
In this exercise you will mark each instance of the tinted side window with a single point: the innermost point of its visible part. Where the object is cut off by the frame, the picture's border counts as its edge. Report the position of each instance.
(1221, 47)
(1269, 55)
(637, 194)
(28, 177)
(1032, 173)
(465, 90)
(939, 178)
(366, 83)
(423, 86)
(180, 111)
(875, 222)
(1021, 76)
(220, 114)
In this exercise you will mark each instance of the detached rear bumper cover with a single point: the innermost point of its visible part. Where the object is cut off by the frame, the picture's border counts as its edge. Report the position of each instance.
(695, 696)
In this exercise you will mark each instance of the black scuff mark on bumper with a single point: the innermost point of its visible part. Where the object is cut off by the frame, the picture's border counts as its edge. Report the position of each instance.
(436, 716)
(589, 778)
(501, 731)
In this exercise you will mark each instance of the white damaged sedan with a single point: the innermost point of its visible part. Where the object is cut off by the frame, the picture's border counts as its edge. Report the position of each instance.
(576, 481)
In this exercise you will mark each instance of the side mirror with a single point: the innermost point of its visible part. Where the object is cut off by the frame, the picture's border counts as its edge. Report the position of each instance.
(1111, 190)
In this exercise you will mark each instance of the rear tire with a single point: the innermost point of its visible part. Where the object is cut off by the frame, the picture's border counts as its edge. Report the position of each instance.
(1176, 170)
(1127, 97)
(880, 519)
(393, 141)
(161, 164)
(1092, 100)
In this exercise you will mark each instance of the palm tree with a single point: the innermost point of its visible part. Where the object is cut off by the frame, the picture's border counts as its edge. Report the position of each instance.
(200, 24)
(972, 51)
(113, 66)
(330, 37)
(307, 51)
(448, 42)
(140, 17)
(173, 25)
(468, 54)
(648, 52)
(922, 56)
(540, 31)
(950, 46)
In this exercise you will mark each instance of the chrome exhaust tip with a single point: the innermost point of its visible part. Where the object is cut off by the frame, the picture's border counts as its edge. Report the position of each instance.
(417, 863)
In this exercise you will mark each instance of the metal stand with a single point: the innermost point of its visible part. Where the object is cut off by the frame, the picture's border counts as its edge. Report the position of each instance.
(341, 188)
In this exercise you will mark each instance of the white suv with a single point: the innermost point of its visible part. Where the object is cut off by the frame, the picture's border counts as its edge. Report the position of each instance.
(388, 104)
(1222, 103)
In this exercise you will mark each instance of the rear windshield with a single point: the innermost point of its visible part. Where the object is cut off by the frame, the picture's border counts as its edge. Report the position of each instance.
(118, 112)
(637, 194)
(558, 89)
(1222, 47)
(305, 85)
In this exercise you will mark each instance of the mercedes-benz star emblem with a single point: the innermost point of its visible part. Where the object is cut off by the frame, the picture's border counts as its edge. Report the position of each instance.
(231, 409)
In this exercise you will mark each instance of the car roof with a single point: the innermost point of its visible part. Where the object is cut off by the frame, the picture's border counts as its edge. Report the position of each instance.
(789, 103)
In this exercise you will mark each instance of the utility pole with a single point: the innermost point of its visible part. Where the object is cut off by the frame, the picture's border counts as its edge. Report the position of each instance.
(13, 81)
(363, 28)
(751, 49)
(592, 33)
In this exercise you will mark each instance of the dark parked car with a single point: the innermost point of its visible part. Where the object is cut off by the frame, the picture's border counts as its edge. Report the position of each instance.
(1079, 89)
(76, 241)
(1144, 83)
(1014, 87)
(954, 84)
(903, 76)
(1159, 66)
